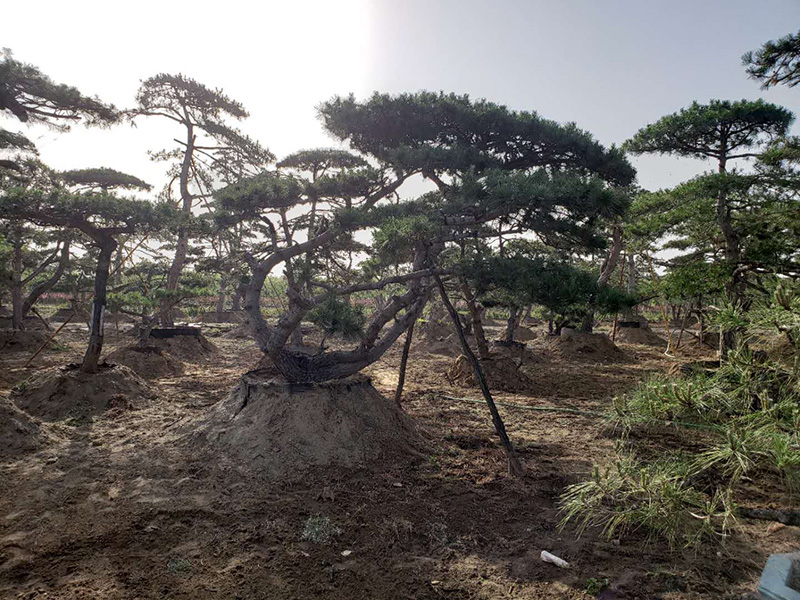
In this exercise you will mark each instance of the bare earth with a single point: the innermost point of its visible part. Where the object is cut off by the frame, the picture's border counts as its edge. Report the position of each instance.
(120, 507)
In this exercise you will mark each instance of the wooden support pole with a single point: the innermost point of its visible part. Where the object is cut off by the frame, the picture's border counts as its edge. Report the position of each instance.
(515, 467)
(398, 394)
(661, 303)
(50, 339)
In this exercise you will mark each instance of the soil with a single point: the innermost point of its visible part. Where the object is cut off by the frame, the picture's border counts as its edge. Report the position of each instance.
(226, 316)
(502, 372)
(186, 347)
(149, 362)
(67, 393)
(128, 506)
(82, 316)
(281, 430)
(19, 433)
(27, 340)
(574, 345)
(640, 335)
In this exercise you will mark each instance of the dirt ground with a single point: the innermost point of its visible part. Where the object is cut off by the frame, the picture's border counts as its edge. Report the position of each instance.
(118, 508)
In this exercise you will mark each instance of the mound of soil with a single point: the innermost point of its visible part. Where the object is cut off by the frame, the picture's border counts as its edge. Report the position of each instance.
(14, 340)
(19, 434)
(225, 316)
(60, 393)
(502, 373)
(238, 333)
(185, 347)
(282, 429)
(642, 335)
(523, 334)
(448, 345)
(149, 362)
(82, 316)
(574, 345)
(31, 322)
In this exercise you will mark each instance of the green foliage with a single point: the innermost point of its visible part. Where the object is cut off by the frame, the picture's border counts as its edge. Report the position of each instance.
(776, 62)
(523, 277)
(33, 97)
(451, 133)
(656, 497)
(336, 316)
(104, 179)
(713, 130)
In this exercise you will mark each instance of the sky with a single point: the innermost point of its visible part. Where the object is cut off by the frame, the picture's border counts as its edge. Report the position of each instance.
(610, 66)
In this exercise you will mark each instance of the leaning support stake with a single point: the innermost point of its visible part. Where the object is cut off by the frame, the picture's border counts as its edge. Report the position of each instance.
(50, 339)
(398, 395)
(515, 467)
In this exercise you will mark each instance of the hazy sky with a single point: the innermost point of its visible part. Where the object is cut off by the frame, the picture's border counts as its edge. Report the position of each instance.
(611, 66)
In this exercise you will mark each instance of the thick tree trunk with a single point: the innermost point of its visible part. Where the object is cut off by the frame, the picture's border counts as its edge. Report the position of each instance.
(735, 288)
(606, 270)
(92, 356)
(515, 467)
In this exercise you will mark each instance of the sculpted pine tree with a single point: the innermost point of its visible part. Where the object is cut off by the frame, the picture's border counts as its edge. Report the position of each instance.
(497, 172)
(99, 216)
(722, 131)
(212, 150)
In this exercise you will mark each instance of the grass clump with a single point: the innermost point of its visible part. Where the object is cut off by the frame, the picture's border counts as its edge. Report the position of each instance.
(657, 497)
(745, 416)
(319, 529)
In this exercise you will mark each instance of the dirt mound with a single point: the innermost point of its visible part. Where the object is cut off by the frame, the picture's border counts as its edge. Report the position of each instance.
(18, 432)
(574, 345)
(82, 316)
(523, 334)
(282, 429)
(12, 340)
(149, 362)
(186, 347)
(225, 316)
(448, 345)
(31, 322)
(502, 373)
(238, 333)
(640, 335)
(60, 393)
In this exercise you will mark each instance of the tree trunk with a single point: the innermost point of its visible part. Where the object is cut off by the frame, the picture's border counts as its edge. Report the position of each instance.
(48, 284)
(92, 356)
(401, 379)
(236, 300)
(511, 324)
(515, 467)
(223, 286)
(182, 246)
(476, 313)
(17, 316)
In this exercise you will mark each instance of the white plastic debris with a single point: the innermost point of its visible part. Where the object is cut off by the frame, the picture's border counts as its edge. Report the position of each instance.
(553, 559)
(347, 552)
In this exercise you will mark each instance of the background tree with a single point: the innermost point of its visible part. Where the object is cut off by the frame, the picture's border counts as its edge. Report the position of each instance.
(212, 151)
(776, 62)
(101, 217)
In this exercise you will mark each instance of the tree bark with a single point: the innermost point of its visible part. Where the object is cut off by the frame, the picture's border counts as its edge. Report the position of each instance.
(92, 356)
(515, 467)
(48, 284)
(476, 313)
(511, 324)
(17, 316)
(182, 246)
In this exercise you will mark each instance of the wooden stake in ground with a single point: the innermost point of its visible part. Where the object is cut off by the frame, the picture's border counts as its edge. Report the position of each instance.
(661, 303)
(403, 363)
(515, 467)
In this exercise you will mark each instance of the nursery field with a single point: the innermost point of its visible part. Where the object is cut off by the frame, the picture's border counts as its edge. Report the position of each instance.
(130, 504)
